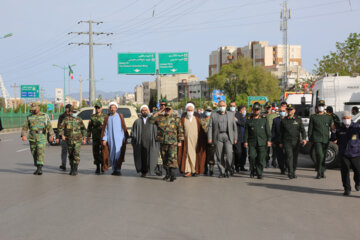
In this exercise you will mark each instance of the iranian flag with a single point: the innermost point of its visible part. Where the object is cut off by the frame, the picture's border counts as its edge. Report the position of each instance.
(71, 73)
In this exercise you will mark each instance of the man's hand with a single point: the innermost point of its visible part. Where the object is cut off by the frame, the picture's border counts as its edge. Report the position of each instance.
(210, 141)
(269, 144)
(83, 141)
(179, 144)
(246, 145)
(51, 138)
(57, 141)
(88, 139)
(304, 142)
(235, 141)
(335, 141)
(24, 138)
(104, 143)
(281, 145)
(63, 138)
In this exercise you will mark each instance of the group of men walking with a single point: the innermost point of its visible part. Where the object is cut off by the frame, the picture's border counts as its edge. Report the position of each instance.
(195, 142)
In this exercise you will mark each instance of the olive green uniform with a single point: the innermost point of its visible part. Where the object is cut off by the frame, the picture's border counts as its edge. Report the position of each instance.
(257, 134)
(319, 130)
(94, 128)
(169, 134)
(37, 125)
(74, 130)
(291, 128)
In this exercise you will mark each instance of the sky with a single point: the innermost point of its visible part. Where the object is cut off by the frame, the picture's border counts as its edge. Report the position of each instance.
(40, 35)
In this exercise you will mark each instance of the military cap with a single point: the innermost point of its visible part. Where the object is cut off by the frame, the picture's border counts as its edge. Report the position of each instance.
(34, 106)
(329, 109)
(256, 106)
(168, 105)
(208, 108)
(98, 104)
(68, 106)
(290, 107)
(321, 103)
(267, 104)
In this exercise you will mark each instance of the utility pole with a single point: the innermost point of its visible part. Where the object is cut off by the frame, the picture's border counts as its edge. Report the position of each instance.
(80, 80)
(285, 14)
(15, 86)
(91, 54)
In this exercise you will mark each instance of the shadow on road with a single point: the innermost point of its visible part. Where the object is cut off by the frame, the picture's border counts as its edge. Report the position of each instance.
(334, 192)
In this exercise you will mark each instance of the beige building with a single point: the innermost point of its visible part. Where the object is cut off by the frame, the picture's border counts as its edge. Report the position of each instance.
(149, 88)
(139, 94)
(169, 84)
(220, 57)
(127, 98)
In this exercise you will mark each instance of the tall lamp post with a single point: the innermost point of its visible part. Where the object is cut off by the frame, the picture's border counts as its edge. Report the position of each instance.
(64, 68)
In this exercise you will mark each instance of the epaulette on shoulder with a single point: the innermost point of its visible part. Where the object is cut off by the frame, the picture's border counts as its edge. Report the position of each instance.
(248, 117)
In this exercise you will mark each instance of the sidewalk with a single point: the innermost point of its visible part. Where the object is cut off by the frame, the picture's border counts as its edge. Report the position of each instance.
(10, 130)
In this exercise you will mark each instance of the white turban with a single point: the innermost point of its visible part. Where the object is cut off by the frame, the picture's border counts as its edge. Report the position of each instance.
(346, 114)
(113, 103)
(189, 105)
(144, 106)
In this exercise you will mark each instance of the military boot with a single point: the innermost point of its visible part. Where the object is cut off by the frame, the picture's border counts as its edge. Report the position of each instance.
(158, 170)
(75, 172)
(39, 170)
(172, 174)
(71, 169)
(97, 171)
(211, 172)
(167, 176)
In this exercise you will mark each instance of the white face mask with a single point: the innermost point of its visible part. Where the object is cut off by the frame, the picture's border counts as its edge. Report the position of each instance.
(207, 113)
(347, 122)
(321, 108)
(232, 109)
(74, 115)
(190, 114)
(244, 113)
(222, 109)
(282, 114)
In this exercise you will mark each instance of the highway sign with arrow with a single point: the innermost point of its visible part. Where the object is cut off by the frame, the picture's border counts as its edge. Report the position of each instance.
(174, 63)
(137, 63)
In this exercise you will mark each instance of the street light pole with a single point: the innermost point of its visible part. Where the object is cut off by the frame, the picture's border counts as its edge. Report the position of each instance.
(64, 69)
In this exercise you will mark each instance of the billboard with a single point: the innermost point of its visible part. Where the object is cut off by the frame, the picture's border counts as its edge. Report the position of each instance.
(59, 95)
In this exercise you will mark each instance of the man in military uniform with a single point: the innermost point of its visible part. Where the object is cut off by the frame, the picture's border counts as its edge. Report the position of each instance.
(94, 129)
(158, 170)
(336, 119)
(257, 139)
(169, 134)
(64, 150)
(319, 130)
(73, 131)
(290, 128)
(210, 148)
(37, 124)
(270, 116)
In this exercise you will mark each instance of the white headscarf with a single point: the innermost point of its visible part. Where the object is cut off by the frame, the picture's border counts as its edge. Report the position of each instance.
(113, 103)
(144, 106)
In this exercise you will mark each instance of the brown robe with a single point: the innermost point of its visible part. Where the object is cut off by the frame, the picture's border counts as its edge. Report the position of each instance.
(200, 149)
(105, 150)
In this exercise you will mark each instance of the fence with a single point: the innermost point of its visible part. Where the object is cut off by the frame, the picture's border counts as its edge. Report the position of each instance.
(16, 120)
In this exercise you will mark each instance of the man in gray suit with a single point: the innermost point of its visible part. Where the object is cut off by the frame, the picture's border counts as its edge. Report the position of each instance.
(222, 132)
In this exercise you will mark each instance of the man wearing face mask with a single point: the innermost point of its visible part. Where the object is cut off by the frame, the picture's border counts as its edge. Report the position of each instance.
(320, 126)
(73, 132)
(64, 150)
(191, 157)
(270, 116)
(330, 111)
(241, 123)
(237, 146)
(170, 135)
(210, 149)
(145, 148)
(276, 140)
(347, 137)
(257, 140)
(223, 134)
(291, 129)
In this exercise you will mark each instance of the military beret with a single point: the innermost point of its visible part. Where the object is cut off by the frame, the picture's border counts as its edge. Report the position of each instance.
(321, 103)
(34, 106)
(256, 106)
(98, 104)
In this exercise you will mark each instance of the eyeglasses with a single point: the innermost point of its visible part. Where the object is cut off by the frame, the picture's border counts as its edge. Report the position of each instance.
(163, 104)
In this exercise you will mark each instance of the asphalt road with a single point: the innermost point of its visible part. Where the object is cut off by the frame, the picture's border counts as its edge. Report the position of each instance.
(59, 206)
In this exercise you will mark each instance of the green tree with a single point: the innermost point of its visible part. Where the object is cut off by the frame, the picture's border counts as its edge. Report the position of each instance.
(241, 79)
(345, 60)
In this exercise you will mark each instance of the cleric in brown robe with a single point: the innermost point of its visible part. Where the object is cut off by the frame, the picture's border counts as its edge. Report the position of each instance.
(114, 135)
(192, 154)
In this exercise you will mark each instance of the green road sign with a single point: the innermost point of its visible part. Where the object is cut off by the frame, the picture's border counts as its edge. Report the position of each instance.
(29, 91)
(260, 99)
(137, 63)
(173, 63)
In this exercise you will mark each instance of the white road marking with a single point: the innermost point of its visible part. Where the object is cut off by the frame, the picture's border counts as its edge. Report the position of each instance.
(21, 150)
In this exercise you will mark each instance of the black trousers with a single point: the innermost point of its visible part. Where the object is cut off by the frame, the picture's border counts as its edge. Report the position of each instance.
(144, 160)
(280, 155)
(291, 153)
(346, 163)
(243, 156)
(237, 155)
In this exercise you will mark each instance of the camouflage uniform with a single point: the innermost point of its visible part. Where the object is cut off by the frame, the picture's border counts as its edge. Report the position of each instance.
(37, 125)
(74, 130)
(210, 148)
(94, 129)
(169, 134)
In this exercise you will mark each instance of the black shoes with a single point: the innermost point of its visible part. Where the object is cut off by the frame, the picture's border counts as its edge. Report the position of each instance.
(115, 173)
(158, 170)
(290, 176)
(283, 172)
(74, 170)
(260, 177)
(167, 176)
(172, 175)
(221, 175)
(346, 193)
(38, 170)
(267, 165)
(97, 171)
(211, 173)
(62, 167)
(357, 187)
(274, 164)
(323, 175)
(318, 176)
(242, 169)
(252, 175)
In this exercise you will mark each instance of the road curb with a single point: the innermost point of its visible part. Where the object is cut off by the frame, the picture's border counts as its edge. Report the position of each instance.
(10, 130)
